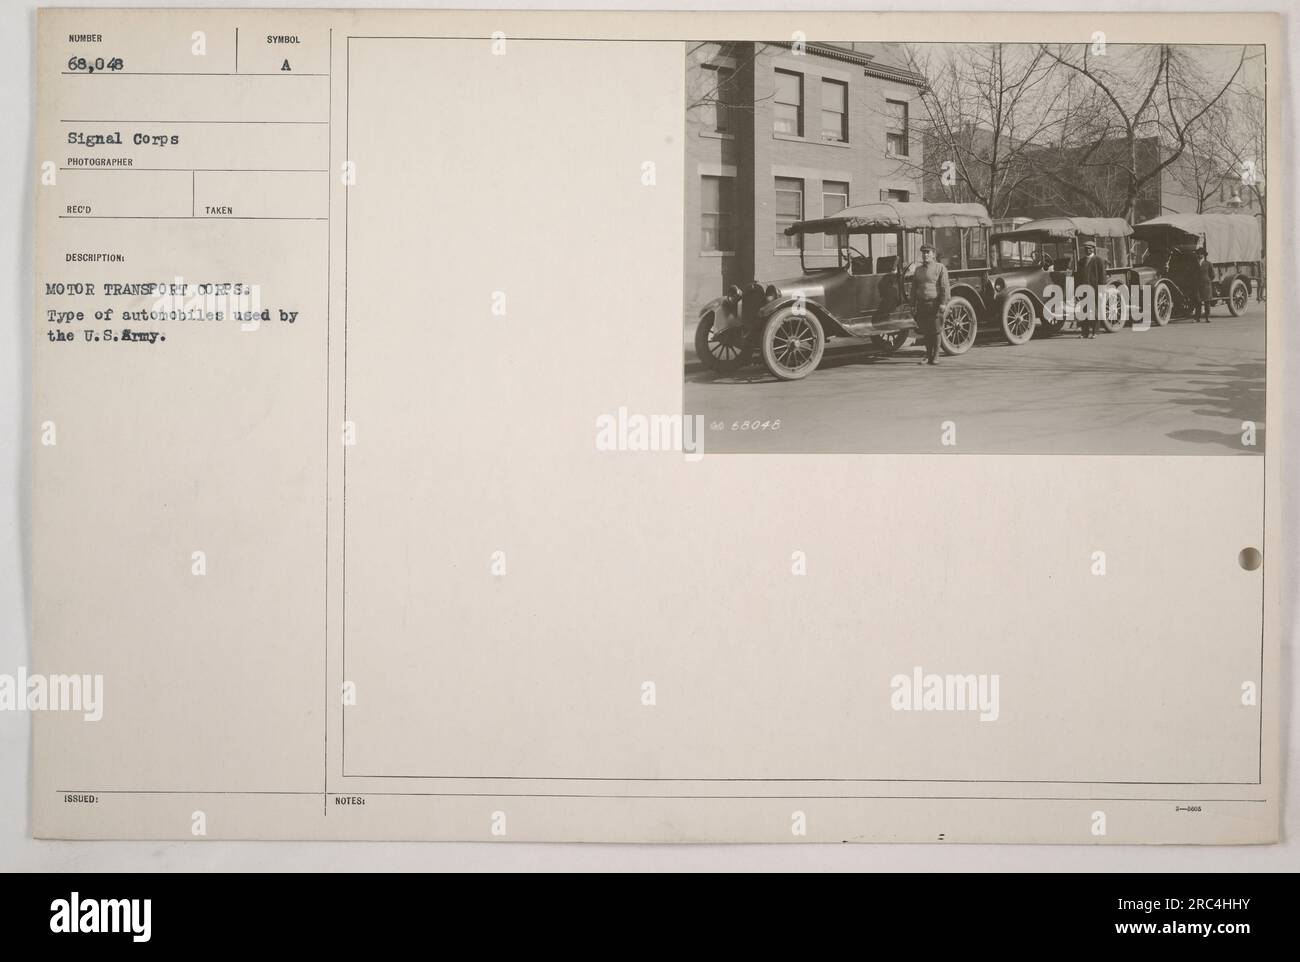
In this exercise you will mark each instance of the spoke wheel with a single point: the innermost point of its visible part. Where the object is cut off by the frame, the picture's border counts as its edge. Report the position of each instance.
(892, 343)
(1162, 308)
(793, 344)
(958, 327)
(723, 352)
(1018, 318)
(1238, 297)
(1049, 327)
(1114, 308)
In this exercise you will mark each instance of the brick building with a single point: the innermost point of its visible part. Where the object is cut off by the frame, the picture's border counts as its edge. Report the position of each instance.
(775, 134)
(1097, 187)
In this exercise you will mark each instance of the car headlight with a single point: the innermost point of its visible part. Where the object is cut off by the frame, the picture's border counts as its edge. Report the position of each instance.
(772, 292)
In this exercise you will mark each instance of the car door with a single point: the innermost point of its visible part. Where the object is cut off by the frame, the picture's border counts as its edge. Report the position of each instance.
(880, 296)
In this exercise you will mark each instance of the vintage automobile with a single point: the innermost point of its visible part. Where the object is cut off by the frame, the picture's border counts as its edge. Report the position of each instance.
(1037, 257)
(1165, 248)
(863, 296)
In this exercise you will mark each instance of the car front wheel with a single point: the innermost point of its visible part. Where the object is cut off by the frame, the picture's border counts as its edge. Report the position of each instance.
(792, 344)
(724, 352)
(958, 327)
(1018, 318)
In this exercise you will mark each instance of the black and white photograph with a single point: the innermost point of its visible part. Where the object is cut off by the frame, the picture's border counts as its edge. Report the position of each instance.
(976, 247)
(678, 439)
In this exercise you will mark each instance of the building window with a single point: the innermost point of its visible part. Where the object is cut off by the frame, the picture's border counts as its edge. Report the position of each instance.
(788, 118)
(715, 214)
(835, 197)
(897, 195)
(720, 99)
(835, 111)
(896, 128)
(789, 209)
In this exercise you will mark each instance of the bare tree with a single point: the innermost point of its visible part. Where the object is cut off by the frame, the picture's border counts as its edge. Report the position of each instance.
(1244, 143)
(1132, 98)
(719, 87)
(1211, 160)
(983, 108)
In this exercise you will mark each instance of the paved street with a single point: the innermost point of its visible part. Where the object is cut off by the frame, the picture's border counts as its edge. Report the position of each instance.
(1181, 389)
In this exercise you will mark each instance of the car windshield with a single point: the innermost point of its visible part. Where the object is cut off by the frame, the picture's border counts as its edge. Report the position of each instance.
(875, 252)
(1061, 251)
(1017, 253)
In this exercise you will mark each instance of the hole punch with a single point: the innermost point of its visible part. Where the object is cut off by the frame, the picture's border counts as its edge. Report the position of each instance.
(1250, 558)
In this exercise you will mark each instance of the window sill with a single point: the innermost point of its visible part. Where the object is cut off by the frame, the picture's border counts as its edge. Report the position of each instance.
(717, 253)
(813, 260)
(717, 134)
(777, 135)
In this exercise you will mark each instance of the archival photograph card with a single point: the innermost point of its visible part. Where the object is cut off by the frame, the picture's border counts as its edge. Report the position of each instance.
(635, 427)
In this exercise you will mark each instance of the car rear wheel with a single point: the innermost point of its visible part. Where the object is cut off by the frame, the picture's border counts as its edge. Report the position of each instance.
(725, 351)
(1162, 304)
(792, 344)
(958, 327)
(1113, 307)
(1238, 297)
(1049, 327)
(892, 343)
(1018, 318)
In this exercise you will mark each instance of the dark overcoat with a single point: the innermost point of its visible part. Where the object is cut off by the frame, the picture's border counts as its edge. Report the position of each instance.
(1204, 275)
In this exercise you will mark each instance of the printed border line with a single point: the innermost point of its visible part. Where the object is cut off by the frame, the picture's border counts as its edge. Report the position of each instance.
(329, 297)
(343, 626)
(828, 798)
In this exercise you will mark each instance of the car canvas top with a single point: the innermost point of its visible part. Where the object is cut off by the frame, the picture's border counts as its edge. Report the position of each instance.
(1227, 237)
(1069, 227)
(888, 216)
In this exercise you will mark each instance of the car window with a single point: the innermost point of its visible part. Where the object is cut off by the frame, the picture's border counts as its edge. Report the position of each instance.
(1013, 254)
(859, 261)
(947, 246)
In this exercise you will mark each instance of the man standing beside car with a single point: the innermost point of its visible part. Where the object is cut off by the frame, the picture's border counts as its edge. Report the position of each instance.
(929, 301)
(1090, 277)
(1202, 287)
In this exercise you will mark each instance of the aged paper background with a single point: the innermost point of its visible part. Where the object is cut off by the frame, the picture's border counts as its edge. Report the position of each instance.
(479, 695)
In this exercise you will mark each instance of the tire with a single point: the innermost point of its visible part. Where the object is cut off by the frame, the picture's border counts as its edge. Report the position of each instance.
(892, 343)
(958, 327)
(792, 344)
(1238, 297)
(1017, 317)
(1114, 311)
(725, 353)
(1049, 328)
(1162, 304)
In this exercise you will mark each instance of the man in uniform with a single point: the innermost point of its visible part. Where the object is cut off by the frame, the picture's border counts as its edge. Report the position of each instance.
(1090, 274)
(929, 301)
